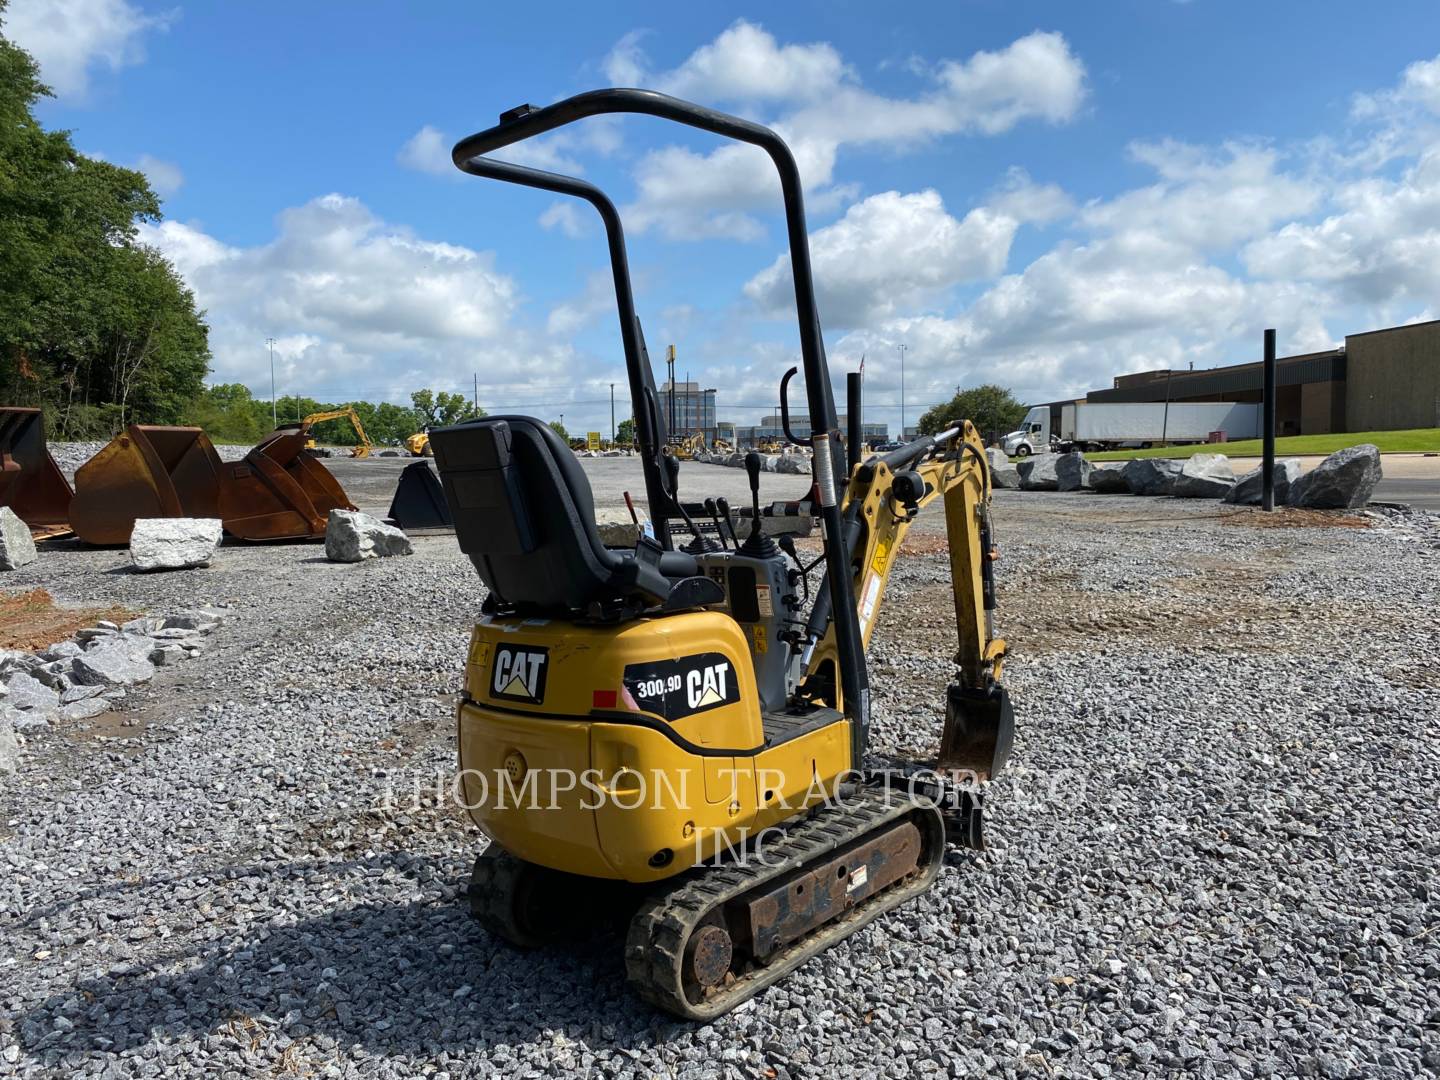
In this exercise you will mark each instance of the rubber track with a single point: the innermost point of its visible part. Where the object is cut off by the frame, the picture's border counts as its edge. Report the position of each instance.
(655, 945)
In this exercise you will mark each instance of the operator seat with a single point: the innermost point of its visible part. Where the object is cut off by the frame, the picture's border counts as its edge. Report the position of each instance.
(525, 515)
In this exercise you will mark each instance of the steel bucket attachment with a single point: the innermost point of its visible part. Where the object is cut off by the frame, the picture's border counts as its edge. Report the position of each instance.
(146, 471)
(419, 501)
(979, 730)
(31, 484)
(279, 492)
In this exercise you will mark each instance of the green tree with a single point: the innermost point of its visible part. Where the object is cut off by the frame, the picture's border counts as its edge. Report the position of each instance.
(227, 413)
(992, 409)
(559, 429)
(93, 324)
(434, 409)
(625, 433)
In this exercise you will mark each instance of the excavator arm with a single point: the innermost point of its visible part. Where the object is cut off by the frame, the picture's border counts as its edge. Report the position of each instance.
(881, 502)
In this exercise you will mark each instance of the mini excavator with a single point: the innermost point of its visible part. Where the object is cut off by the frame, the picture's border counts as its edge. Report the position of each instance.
(688, 725)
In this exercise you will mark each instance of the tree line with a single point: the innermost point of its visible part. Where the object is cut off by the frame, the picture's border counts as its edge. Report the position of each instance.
(230, 413)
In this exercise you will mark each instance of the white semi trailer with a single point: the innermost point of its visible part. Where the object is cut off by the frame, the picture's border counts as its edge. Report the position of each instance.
(1106, 426)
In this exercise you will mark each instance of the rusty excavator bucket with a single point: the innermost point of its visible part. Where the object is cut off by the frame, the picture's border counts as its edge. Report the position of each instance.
(146, 471)
(31, 484)
(279, 491)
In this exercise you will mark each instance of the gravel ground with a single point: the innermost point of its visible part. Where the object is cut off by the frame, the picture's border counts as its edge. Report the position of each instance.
(1214, 852)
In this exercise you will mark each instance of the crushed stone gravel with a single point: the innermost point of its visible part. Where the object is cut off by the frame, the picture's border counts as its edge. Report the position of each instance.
(1214, 853)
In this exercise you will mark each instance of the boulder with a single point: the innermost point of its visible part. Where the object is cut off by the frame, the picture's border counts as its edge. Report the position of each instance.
(116, 662)
(769, 462)
(9, 748)
(83, 710)
(1344, 480)
(29, 694)
(174, 543)
(1151, 476)
(1204, 476)
(352, 536)
(1249, 488)
(616, 528)
(17, 546)
(80, 693)
(1109, 480)
(1072, 471)
(792, 465)
(1002, 473)
(1038, 473)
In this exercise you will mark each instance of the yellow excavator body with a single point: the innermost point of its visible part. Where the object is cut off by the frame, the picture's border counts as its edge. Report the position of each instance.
(360, 450)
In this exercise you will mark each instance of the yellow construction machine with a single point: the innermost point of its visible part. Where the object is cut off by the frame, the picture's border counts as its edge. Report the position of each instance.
(686, 728)
(685, 447)
(419, 444)
(360, 450)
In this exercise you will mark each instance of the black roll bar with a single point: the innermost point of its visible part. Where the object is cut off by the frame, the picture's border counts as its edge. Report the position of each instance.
(527, 121)
(649, 425)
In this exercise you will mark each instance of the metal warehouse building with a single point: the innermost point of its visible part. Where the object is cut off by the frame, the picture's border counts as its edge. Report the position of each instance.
(1380, 381)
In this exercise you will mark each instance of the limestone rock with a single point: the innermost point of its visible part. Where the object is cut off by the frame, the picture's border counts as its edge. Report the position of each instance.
(1038, 473)
(1250, 487)
(1344, 480)
(1151, 476)
(616, 528)
(352, 536)
(174, 543)
(117, 662)
(29, 694)
(9, 748)
(1204, 476)
(1109, 481)
(1072, 471)
(83, 710)
(17, 546)
(1002, 473)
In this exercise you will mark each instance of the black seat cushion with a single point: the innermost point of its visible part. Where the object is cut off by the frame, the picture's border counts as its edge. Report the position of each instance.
(525, 515)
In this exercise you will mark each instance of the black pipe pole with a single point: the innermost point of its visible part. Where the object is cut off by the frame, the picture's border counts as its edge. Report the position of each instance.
(852, 420)
(1267, 410)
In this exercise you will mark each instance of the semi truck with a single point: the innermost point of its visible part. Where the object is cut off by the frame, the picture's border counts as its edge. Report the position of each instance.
(1084, 425)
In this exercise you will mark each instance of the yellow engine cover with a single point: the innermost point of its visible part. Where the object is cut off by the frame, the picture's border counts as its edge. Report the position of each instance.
(627, 751)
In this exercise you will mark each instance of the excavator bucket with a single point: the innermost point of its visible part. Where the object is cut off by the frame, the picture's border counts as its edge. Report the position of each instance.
(419, 502)
(146, 471)
(279, 492)
(978, 733)
(31, 484)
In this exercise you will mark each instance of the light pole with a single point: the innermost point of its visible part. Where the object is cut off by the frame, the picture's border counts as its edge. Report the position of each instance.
(902, 391)
(270, 341)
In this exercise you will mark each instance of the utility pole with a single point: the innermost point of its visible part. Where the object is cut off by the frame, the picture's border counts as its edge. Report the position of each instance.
(270, 341)
(476, 402)
(903, 347)
(612, 414)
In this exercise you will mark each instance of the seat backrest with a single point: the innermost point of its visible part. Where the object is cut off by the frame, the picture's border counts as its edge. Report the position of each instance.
(525, 515)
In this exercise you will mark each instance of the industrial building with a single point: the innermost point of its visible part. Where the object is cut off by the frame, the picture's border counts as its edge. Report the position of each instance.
(1382, 380)
(688, 409)
(770, 428)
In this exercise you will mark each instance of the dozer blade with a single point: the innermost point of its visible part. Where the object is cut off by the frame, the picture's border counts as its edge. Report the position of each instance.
(31, 484)
(279, 492)
(147, 471)
(419, 501)
(979, 729)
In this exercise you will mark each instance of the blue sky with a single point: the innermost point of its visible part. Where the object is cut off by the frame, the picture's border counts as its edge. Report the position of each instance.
(1038, 194)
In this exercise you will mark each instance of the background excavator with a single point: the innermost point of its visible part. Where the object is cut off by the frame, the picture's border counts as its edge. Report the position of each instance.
(360, 450)
(712, 700)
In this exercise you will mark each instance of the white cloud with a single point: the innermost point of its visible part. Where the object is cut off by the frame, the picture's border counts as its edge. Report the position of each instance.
(69, 39)
(428, 151)
(571, 316)
(690, 195)
(1210, 200)
(362, 307)
(165, 176)
(890, 252)
(1026, 201)
(564, 217)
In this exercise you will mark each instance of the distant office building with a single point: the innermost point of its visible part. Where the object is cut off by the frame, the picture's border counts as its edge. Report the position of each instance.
(687, 409)
(771, 428)
(1382, 380)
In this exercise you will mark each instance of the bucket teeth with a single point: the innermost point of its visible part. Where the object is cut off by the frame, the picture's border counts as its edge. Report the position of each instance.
(31, 484)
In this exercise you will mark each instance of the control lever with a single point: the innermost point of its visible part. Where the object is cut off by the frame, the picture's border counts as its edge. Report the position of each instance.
(699, 543)
(713, 509)
(800, 574)
(757, 545)
(724, 506)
